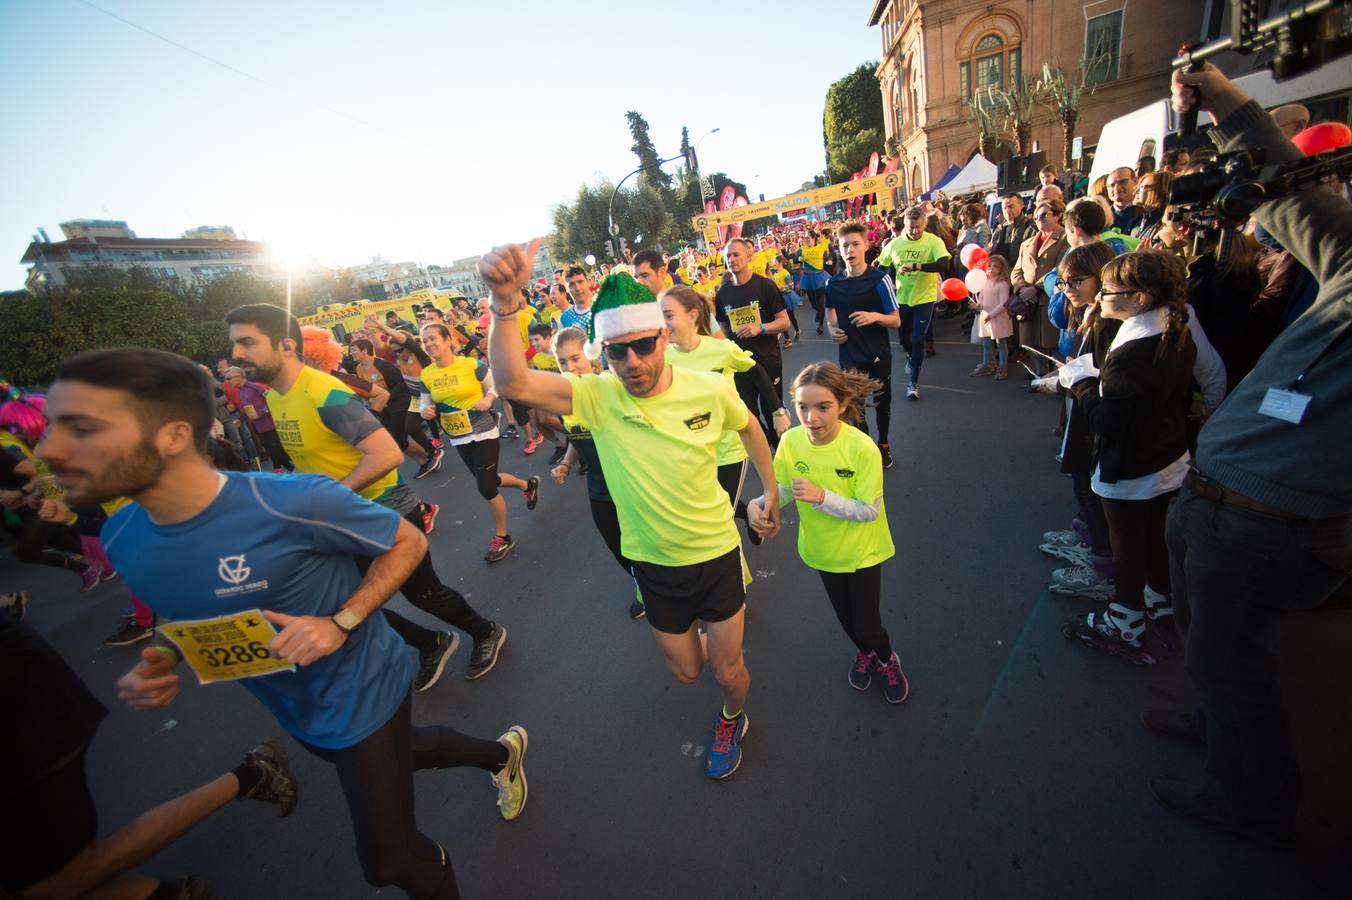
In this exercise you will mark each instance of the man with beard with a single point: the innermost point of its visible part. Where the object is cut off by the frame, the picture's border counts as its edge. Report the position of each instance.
(134, 423)
(751, 312)
(656, 429)
(327, 430)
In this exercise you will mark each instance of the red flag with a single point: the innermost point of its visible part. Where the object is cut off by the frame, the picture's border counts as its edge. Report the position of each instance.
(727, 198)
(737, 226)
(873, 161)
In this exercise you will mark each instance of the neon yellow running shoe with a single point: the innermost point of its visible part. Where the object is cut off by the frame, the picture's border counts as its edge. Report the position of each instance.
(511, 780)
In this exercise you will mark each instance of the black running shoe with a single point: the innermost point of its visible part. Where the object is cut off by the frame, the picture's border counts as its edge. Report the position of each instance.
(486, 653)
(532, 491)
(886, 451)
(278, 785)
(511, 433)
(433, 464)
(430, 665)
(557, 456)
(129, 633)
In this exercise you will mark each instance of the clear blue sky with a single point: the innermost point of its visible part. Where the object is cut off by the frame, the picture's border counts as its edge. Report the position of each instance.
(457, 126)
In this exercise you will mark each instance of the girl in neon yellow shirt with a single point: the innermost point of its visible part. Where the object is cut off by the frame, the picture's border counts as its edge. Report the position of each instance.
(834, 472)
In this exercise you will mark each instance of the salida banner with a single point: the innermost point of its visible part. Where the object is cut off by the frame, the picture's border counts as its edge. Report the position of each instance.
(882, 185)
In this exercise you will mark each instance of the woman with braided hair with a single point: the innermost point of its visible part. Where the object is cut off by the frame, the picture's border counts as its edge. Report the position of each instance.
(1137, 409)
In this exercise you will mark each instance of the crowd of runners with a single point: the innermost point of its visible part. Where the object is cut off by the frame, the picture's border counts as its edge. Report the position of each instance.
(259, 517)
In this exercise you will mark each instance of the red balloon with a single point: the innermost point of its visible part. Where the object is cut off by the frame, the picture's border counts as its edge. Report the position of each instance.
(1321, 137)
(979, 258)
(953, 289)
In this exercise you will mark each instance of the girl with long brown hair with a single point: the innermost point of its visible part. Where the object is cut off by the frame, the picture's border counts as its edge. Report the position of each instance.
(834, 472)
(1137, 408)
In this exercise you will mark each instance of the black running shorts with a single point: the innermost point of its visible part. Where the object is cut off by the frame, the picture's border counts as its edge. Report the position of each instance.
(675, 596)
(521, 412)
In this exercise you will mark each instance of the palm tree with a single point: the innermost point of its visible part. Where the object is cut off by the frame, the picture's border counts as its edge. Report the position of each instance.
(1062, 94)
(1017, 106)
(981, 111)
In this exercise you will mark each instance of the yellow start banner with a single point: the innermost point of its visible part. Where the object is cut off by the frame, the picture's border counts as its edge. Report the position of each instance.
(882, 185)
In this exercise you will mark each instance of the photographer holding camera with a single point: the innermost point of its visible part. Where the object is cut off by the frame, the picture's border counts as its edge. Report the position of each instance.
(1261, 526)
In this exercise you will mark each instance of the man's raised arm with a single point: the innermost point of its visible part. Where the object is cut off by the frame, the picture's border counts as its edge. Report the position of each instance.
(505, 270)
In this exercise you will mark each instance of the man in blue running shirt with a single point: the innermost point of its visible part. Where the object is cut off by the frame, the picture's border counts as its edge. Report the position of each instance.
(199, 544)
(861, 305)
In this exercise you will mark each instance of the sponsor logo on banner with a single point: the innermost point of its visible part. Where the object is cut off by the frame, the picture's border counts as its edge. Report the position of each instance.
(834, 193)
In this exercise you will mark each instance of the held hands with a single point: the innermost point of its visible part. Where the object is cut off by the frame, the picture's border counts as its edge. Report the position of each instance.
(807, 492)
(153, 682)
(559, 473)
(304, 639)
(505, 270)
(763, 518)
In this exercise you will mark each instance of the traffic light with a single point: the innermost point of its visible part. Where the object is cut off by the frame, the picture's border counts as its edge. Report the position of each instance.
(610, 250)
(623, 248)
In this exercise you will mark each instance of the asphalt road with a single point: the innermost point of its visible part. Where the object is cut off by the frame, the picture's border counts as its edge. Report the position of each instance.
(1017, 768)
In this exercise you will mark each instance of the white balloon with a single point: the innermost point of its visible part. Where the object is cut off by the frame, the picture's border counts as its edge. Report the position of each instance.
(975, 280)
(965, 254)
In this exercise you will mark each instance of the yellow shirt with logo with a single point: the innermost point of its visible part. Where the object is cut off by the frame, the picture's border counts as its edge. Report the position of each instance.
(320, 421)
(724, 357)
(454, 389)
(851, 467)
(660, 456)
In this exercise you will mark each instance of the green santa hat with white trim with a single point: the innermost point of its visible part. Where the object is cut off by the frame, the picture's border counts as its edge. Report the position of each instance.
(622, 306)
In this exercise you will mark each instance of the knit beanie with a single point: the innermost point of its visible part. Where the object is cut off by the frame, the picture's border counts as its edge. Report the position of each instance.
(622, 306)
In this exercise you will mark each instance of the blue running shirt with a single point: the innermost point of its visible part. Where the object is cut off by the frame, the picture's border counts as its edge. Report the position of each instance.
(283, 543)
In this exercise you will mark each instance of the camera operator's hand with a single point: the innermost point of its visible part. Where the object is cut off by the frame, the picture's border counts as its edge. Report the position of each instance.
(1220, 96)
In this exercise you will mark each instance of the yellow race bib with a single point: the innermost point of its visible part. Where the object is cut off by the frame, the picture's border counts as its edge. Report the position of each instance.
(415, 403)
(740, 316)
(227, 648)
(456, 423)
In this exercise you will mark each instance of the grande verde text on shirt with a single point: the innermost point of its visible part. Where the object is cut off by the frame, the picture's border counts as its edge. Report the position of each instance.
(283, 543)
(660, 456)
(851, 466)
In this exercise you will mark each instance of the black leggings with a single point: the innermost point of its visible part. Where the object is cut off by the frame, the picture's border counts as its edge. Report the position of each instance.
(376, 775)
(1091, 513)
(426, 592)
(608, 523)
(407, 426)
(481, 458)
(272, 446)
(880, 369)
(793, 320)
(40, 543)
(731, 477)
(1140, 555)
(855, 596)
(818, 300)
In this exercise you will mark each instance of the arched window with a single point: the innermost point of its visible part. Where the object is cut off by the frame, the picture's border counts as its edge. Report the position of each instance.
(994, 62)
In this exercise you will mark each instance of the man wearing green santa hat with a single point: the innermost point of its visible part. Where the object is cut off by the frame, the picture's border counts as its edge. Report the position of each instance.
(656, 430)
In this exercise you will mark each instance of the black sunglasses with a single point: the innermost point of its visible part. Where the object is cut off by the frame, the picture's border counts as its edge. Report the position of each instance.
(641, 346)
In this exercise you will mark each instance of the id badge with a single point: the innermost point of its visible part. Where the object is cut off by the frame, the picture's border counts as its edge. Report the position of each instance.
(1285, 405)
(227, 648)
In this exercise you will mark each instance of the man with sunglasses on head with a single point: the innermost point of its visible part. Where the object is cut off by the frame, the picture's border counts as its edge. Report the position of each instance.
(656, 430)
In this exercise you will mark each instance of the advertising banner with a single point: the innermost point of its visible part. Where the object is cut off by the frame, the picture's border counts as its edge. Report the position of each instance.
(881, 184)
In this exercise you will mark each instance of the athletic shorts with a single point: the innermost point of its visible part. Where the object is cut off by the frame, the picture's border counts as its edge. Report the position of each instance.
(54, 821)
(520, 411)
(675, 596)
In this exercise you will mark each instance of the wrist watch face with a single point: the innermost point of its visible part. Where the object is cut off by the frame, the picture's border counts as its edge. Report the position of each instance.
(346, 619)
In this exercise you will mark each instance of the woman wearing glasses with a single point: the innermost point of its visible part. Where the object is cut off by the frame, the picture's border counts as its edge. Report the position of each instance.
(1039, 255)
(460, 396)
(1136, 407)
(1074, 309)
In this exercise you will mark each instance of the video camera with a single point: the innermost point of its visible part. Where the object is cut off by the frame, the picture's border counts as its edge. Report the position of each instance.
(1214, 203)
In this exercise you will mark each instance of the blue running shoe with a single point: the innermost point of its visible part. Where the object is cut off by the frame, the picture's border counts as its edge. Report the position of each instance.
(726, 753)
